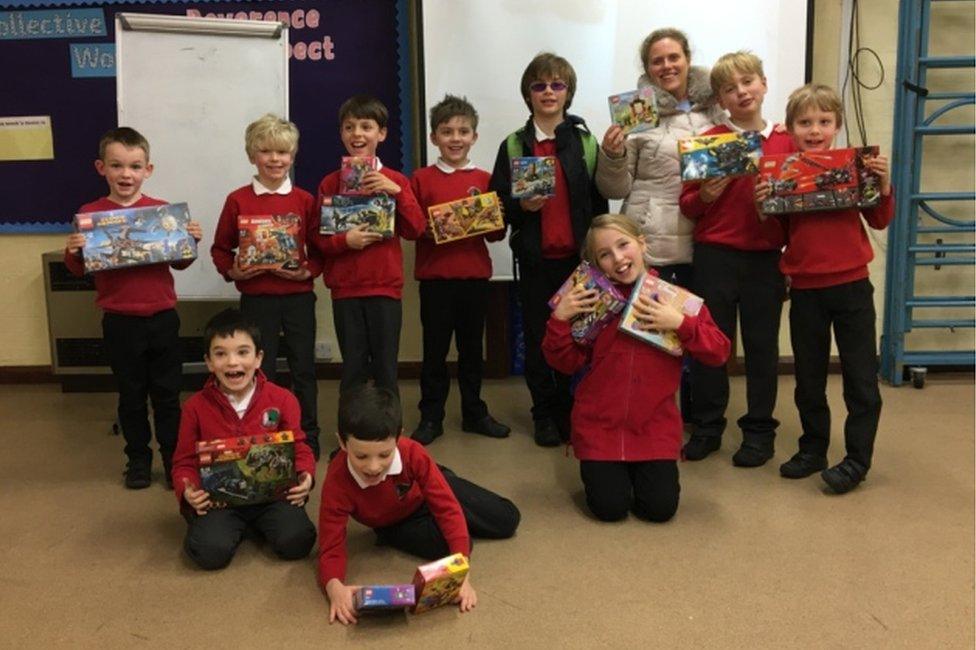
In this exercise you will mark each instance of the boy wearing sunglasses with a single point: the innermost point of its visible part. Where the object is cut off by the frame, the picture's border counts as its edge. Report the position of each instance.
(547, 232)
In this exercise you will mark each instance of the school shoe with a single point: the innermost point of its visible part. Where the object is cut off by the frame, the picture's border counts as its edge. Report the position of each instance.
(802, 465)
(486, 426)
(546, 433)
(427, 432)
(752, 454)
(844, 476)
(138, 473)
(699, 447)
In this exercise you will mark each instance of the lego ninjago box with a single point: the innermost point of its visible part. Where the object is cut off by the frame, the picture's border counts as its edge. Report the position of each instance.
(343, 212)
(269, 241)
(247, 470)
(811, 181)
(467, 217)
(116, 239)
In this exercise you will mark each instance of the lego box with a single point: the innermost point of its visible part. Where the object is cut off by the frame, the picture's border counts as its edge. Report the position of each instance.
(719, 155)
(248, 469)
(634, 111)
(533, 176)
(439, 582)
(352, 172)
(269, 241)
(467, 217)
(343, 212)
(586, 327)
(811, 181)
(384, 598)
(117, 239)
(654, 287)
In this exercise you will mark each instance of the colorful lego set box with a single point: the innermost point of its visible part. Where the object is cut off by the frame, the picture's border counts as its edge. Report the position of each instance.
(533, 176)
(587, 326)
(467, 217)
(343, 212)
(811, 181)
(719, 155)
(634, 111)
(247, 470)
(439, 583)
(117, 239)
(352, 172)
(654, 288)
(269, 241)
(384, 598)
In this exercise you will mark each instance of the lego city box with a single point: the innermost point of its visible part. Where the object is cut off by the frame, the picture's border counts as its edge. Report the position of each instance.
(352, 172)
(343, 212)
(719, 155)
(247, 470)
(654, 288)
(384, 598)
(467, 217)
(586, 327)
(811, 181)
(634, 111)
(116, 239)
(533, 176)
(439, 582)
(269, 241)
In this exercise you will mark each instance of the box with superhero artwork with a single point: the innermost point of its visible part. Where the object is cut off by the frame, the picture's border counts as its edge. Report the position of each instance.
(467, 217)
(439, 582)
(246, 470)
(811, 181)
(654, 288)
(352, 172)
(116, 239)
(634, 111)
(533, 176)
(587, 326)
(383, 598)
(343, 212)
(719, 155)
(269, 241)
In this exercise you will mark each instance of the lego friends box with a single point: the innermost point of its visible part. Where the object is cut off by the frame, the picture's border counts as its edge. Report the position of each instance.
(439, 583)
(248, 469)
(655, 288)
(269, 241)
(810, 181)
(117, 239)
(585, 327)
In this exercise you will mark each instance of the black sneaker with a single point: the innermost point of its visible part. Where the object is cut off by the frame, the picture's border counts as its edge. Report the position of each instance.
(546, 433)
(427, 432)
(699, 447)
(843, 477)
(486, 426)
(752, 454)
(138, 474)
(802, 465)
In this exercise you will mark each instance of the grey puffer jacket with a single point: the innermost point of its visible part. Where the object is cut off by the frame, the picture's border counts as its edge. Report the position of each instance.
(648, 177)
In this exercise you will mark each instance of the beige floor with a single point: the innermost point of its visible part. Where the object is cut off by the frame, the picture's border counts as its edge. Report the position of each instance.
(751, 560)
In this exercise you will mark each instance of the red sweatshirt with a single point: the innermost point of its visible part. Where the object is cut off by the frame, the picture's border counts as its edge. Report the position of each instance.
(243, 201)
(133, 291)
(376, 270)
(731, 219)
(558, 241)
(624, 408)
(394, 499)
(207, 415)
(824, 249)
(463, 259)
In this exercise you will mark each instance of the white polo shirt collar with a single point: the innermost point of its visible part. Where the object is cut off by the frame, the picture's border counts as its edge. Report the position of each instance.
(395, 468)
(259, 188)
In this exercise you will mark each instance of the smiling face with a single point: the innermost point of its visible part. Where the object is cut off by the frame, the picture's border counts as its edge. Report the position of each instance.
(233, 360)
(370, 459)
(667, 65)
(361, 135)
(546, 101)
(814, 129)
(619, 255)
(273, 162)
(454, 139)
(742, 95)
(125, 169)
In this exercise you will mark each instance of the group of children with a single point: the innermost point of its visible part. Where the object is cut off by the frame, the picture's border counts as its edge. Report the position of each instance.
(622, 420)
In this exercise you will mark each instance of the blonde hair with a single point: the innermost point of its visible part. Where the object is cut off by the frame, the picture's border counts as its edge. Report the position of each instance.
(619, 222)
(820, 96)
(743, 62)
(271, 131)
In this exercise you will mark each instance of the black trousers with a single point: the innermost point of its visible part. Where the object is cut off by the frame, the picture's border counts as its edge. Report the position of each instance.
(368, 330)
(681, 275)
(750, 285)
(293, 315)
(144, 353)
(649, 488)
(452, 308)
(551, 398)
(849, 308)
(212, 539)
(487, 514)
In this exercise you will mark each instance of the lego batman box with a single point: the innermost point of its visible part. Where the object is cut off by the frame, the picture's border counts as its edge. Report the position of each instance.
(467, 217)
(587, 326)
(719, 155)
(811, 181)
(439, 582)
(654, 288)
(116, 239)
(247, 470)
(343, 212)
(269, 241)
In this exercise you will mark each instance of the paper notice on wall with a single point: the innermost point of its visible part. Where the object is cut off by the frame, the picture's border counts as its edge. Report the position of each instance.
(26, 138)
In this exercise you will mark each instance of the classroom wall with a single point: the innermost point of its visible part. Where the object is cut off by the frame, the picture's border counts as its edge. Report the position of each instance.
(23, 318)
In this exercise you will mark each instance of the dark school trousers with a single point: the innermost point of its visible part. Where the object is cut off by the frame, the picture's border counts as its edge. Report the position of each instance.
(368, 330)
(488, 515)
(452, 308)
(648, 488)
(551, 398)
(750, 283)
(212, 539)
(293, 315)
(849, 308)
(145, 356)
(681, 275)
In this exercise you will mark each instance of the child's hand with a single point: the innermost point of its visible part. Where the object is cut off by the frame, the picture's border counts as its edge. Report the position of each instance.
(712, 188)
(577, 301)
(879, 165)
(762, 192)
(237, 273)
(195, 230)
(299, 274)
(76, 241)
(341, 602)
(613, 142)
(657, 315)
(467, 598)
(298, 495)
(375, 183)
(196, 499)
(532, 204)
(360, 237)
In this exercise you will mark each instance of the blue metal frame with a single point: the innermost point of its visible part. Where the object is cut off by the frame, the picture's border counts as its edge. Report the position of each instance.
(905, 252)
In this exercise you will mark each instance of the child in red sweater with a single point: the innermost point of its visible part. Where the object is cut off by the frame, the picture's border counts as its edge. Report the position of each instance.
(237, 400)
(140, 325)
(736, 269)
(826, 258)
(282, 300)
(626, 429)
(453, 279)
(391, 484)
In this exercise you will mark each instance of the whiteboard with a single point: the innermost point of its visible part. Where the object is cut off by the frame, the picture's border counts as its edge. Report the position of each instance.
(191, 86)
(479, 48)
